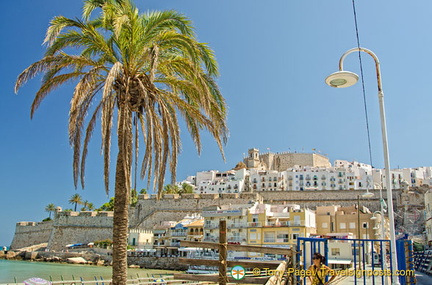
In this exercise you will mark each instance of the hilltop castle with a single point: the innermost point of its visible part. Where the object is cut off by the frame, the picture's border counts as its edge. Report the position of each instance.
(284, 160)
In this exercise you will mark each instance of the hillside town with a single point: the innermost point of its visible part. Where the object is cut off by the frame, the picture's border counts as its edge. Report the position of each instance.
(268, 199)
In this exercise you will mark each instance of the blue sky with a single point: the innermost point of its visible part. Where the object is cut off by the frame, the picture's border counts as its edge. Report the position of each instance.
(273, 55)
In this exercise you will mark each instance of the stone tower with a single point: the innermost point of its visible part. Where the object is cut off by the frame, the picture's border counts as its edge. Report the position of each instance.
(253, 159)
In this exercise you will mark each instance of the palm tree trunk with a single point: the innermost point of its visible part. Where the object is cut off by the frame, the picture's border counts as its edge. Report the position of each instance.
(121, 200)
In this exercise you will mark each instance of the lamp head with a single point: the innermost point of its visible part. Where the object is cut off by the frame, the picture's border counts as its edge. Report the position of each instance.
(368, 194)
(341, 79)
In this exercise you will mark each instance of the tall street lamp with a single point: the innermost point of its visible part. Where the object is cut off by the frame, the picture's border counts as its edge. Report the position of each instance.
(341, 79)
(379, 223)
(364, 195)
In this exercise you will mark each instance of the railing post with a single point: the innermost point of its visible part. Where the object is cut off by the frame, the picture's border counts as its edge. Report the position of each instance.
(222, 253)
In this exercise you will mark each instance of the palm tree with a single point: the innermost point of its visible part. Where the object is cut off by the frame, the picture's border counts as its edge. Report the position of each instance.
(171, 189)
(144, 70)
(50, 208)
(75, 200)
(186, 188)
(87, 206)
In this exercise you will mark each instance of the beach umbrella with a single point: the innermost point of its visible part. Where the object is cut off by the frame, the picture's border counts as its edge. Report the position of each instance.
(36, 281)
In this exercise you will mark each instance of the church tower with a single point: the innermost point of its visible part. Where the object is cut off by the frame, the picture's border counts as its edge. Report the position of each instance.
(253, 160)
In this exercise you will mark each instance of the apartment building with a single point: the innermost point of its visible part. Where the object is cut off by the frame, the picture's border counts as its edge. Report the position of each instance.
(215, 182)
(350, 221)
(279, 225)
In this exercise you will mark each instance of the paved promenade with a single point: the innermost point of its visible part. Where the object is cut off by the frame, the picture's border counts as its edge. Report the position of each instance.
(422, 279)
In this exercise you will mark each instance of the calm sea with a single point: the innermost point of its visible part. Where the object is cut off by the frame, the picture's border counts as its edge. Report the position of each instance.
(22, 270)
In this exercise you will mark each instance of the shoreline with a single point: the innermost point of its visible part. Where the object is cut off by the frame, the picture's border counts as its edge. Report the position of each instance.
(16, 271)
(92, 257)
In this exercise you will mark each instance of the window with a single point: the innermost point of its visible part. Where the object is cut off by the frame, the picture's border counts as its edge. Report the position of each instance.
(324, 225)
(352, 225)
(252, 236)
(269, 237)
(295, 236)
(342, 225)
(365, 225)
(335, 251)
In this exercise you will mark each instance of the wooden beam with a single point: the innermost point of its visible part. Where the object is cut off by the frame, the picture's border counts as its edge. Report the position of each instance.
(215, 278)
(253, 248)
(245, 248)
(276, 279)
(193, 261)
(230, 263)
(202, 244)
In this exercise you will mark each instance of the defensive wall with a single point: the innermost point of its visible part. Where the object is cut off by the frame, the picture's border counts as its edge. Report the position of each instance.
(150, 211)
(85, 227)
(31, 233)
(283, 160)
(79, 227)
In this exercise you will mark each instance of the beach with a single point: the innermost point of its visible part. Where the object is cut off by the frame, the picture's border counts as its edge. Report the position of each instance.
(11, 270)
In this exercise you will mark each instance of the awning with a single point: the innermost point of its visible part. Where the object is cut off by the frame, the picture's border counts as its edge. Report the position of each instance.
(146, 250)
(339, 261)
(190, 249)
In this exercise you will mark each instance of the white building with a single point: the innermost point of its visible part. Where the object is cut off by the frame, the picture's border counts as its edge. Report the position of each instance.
(266, 180)
(215, 182)
(343, 175)
(331, 178)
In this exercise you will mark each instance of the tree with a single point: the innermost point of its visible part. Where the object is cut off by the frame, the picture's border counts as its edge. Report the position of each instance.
(75, 200)
(50, 208)
(133, 197)
(108, 206)
(144, 70)
(171, 189)
(87, 206)
(143, 191)
(186, 188)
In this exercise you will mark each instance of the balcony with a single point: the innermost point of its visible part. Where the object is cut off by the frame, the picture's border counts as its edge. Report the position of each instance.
(211, 226)
(277, 224)
(236, 239)
(237, 225)
(282, 240)
(269, 240)
(254, 225)
(211, 238)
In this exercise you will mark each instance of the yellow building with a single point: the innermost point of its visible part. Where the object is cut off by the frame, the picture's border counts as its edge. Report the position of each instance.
(278, 225)
(360, 224)
(195, 231)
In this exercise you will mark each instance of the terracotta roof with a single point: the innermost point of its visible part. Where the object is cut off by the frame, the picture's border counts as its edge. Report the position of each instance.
(198, 223)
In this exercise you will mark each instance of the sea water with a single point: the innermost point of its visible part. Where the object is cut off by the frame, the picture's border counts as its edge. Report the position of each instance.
(11, 270)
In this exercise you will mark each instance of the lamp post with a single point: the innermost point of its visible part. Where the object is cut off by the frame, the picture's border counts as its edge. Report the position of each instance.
(364, 195)
(381, 223)
(341, 79)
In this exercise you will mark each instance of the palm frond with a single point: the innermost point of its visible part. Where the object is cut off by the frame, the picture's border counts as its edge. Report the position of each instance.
(57, 24)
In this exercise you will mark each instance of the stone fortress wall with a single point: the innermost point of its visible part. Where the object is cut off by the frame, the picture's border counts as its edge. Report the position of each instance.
(80, 227)
(285, 160)
(31, 233)
(149, 211)
(282, 161)
(85, 227)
